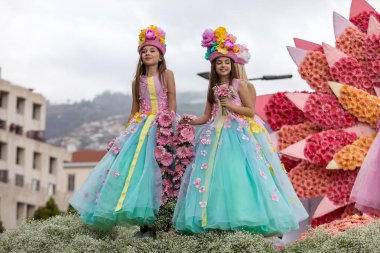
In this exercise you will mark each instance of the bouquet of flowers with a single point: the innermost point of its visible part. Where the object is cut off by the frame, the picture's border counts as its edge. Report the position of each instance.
(223, 92)
(163, 151)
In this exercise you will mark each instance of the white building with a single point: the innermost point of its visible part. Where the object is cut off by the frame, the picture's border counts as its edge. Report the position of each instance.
(30, 170)
(77, 170)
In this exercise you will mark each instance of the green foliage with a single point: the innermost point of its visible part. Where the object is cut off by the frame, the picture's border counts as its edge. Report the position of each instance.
(71, 210)
(2, 229)
(51, 209)
(69, 234)
(163, 223)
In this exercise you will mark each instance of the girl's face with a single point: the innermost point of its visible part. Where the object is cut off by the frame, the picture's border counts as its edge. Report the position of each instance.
(150, 55)
(223, 66)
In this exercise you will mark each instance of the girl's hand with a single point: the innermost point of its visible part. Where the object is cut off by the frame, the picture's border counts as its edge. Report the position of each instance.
(225, 102)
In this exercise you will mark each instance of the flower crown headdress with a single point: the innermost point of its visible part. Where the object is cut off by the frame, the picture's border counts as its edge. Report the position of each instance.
(243, 56)
(219, 43)
(153, 36)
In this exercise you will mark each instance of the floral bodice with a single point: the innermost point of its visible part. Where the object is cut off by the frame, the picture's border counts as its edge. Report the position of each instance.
(216, 108)
(153, 95)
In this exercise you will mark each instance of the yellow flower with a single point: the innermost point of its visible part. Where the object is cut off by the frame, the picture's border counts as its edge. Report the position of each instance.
(236, 49)
(220, 33)
(222, 50)
(153, 27)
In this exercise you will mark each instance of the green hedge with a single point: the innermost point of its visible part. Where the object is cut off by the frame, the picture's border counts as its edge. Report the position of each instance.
(69, 234)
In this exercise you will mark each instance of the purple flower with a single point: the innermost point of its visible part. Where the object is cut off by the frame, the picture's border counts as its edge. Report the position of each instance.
(160, 32)
(229, 44)
(150, 34)
(208, 38)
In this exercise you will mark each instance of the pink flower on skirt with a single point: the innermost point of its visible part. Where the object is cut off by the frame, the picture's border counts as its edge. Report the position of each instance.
(201, 189)
(116, 149)
(116, 173)
(203, 204)
(197, 182)
(204, 166)
(275, 198)
(204, 152)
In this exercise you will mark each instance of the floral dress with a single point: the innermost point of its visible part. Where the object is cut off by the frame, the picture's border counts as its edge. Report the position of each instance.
(232, 185)
(125, 187)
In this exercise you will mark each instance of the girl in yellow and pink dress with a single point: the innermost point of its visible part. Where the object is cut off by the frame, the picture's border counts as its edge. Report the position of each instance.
(234, 182)
(125, 188)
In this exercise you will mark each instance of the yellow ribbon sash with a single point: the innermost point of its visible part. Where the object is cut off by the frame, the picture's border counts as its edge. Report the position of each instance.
(143, 134)
(210, 166)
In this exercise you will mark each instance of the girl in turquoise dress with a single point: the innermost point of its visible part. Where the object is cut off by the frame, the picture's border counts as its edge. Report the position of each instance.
(231, 184)
(125, 187)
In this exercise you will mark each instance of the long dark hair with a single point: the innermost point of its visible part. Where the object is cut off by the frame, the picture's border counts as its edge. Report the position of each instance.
(214, 80)
(141, 70)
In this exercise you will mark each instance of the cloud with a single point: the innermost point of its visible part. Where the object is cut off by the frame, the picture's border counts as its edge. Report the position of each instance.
(77, 49)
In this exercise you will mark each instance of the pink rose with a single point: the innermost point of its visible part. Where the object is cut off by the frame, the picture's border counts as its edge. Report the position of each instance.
(150, 34)
(208, 38)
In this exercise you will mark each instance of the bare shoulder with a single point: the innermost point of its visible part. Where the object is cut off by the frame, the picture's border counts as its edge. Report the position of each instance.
(169, 72)
(242, 84)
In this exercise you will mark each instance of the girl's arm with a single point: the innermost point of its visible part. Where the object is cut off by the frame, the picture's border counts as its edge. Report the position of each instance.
(171, 91)
(205, 117)
(252, 96)
(246, 107)
(135, 106)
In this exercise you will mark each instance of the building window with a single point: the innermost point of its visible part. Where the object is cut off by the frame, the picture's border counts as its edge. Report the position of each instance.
(20, 105)
(35, 184)
(4, 99)
(4, 176)
(71, 182)
(52, 165)
(19, 180)
(3, 124)
(30, 211)
(51, 189)
(20, 156)
(36, 114)
(3, 151)
(20, 210)
(36, 160)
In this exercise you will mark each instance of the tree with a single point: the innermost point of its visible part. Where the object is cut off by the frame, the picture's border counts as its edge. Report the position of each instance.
(51, 209)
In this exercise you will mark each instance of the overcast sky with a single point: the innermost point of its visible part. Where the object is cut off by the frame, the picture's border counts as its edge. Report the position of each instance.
(76, 49)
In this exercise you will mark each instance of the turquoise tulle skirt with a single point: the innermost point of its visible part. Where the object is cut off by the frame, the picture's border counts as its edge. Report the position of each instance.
(125, 187)
(236, 182)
